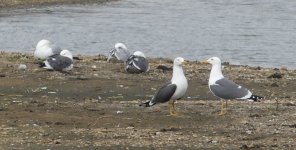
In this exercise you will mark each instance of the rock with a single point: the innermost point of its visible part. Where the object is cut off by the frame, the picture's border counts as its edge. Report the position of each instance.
(249, 132)
(244, 146)
(129, 128)
(99, 98)
(77, 58)
(274, 85)
(277, 75)
(43, 88)
(212, 141)
(225, 63)
(169, 129)
(82, 78)
(22, 67)
(289, 104)
(94, 100)
(164, 68)
(119, 112)
(57, 142)
(258, 68)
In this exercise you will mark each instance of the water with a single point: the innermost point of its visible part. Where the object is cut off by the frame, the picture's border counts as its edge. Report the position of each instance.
(256, 33)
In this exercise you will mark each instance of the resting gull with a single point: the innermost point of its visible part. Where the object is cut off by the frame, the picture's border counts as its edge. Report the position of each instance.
(45, 48)
(120, 52)
(224, 88)
(137, 63)
(173, 90)
(59, 62)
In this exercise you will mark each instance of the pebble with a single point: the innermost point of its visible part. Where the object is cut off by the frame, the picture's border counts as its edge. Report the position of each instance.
(276, 75)
(274, 85)
(22, 67)
(130, 128)
(249, 132)
(95, 100)
(99, 97)
(164, 68)
(194, 135)
(43, 88)
(119, 112)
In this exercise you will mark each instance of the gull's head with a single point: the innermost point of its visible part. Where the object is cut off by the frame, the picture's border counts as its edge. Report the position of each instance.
(213, 61)
(66, 53)
(42, 43)
(139, 53)
(179, 61)
(119, 46)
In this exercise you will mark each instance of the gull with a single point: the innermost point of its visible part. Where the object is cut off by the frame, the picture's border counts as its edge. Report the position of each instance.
(226, 89)
(45, 49)
(137, 63)
(120, 52)
(172, 90)
(59, 62)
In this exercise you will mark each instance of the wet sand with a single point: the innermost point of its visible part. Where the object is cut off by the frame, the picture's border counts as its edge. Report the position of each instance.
(95, 106)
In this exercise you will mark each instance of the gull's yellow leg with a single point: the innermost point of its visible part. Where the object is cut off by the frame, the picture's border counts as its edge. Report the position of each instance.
(173, 110)
(171, 107)
(223, 109)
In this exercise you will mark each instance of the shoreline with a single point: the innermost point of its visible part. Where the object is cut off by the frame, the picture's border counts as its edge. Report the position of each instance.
(30, 52)
(9, 4)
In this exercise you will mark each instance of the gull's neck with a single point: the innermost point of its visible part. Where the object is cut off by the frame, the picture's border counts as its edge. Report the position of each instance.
(216, 73)
(177, 73)
(71, 57)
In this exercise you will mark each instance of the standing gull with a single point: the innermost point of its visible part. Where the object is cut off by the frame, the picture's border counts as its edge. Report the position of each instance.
(120, 52)
(173, 90)
(45, 48)
(137, 63)
(224, 88)
(59, 62)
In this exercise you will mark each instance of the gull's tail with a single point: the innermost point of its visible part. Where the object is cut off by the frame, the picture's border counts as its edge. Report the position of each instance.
(41, 64)
(256, 98)
(147, 104)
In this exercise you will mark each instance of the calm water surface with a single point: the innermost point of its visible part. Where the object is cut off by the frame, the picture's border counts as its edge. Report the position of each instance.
(254, 32)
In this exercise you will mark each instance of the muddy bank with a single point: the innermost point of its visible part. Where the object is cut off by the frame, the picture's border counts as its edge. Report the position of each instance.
(35, 3)
(95, 106)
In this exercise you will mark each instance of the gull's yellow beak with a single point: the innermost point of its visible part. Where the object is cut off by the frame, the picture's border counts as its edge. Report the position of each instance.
(184, 62)
(205, 62)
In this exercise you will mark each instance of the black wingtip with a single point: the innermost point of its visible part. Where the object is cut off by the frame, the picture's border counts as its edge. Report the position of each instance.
(146, 104)
(41, 64)
(256, 98)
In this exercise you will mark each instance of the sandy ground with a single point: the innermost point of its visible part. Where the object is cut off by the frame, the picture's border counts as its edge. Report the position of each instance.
(95, 106)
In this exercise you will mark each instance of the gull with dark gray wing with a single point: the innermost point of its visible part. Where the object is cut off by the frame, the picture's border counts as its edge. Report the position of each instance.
(59, 62)
(45, 49)
(137, 63)
(173, 90)
(224, 88)
(120, 52)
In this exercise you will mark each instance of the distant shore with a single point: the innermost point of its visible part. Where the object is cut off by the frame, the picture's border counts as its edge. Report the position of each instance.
(34, 3)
